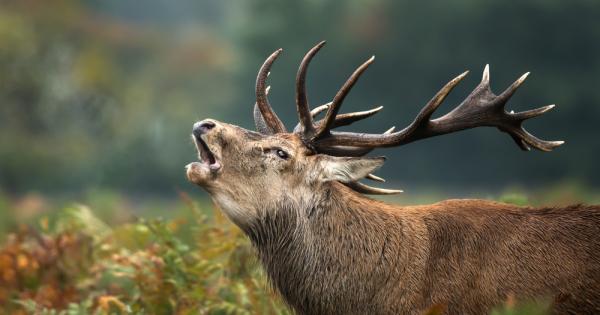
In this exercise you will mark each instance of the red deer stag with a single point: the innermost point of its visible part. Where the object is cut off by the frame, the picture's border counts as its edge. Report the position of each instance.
(328, 249)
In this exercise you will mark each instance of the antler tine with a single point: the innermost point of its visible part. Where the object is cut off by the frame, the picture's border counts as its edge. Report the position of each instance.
(272, 122)
(350, 150)
(304, 114)
(513, 88)
(437, 100)
(365, 189)
(480, 108)
(259, 121)
(375, 178)
(313, 113)
(339, 99)
(397, 138)
(533, 112)
(350, 118)
(342, 119)
(485, 77)
(524, 140)
(319, 109)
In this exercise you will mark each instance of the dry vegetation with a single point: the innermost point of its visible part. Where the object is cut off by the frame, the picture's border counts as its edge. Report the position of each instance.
(79, 265)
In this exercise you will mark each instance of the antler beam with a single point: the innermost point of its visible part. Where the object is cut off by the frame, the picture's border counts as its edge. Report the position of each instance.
(480, 108)
(337, 101)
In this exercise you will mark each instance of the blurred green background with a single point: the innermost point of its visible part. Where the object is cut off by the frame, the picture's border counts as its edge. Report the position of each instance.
(103, 94)
(97, 101)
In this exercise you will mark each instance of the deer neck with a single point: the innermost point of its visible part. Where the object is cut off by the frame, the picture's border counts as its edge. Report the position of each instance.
(337, 244)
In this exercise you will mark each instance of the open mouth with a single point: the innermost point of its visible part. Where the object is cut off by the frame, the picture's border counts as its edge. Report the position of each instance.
(206, 156)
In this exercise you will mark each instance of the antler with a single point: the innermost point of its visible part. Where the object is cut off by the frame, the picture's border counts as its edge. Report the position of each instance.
(304, 114)
(268, 120)
(480, 108)
(341, 119)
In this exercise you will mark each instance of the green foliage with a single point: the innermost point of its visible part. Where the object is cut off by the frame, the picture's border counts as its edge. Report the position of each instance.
(523, 308)
(515, 198)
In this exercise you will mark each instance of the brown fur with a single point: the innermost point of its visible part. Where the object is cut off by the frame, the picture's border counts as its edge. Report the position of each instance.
(360, 256)
(330, 250)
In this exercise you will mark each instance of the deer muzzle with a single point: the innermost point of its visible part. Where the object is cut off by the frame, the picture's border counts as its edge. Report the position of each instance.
(208, 163)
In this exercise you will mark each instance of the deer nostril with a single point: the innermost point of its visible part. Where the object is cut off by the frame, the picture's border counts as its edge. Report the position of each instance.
(202, 127)
(208, 125)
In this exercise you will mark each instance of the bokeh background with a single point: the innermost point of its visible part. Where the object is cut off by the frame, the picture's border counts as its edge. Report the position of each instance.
(102, 94)
(97, 98)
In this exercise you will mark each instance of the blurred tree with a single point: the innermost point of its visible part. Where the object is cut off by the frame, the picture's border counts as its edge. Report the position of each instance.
(89, 100)
(103, 93)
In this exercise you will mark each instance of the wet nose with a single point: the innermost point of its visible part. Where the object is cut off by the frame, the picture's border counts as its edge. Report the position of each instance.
(203, 127)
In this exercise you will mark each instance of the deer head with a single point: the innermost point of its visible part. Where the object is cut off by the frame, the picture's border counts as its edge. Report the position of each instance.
(247, 171)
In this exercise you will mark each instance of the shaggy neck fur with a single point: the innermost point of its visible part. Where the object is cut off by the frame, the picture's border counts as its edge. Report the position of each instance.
(315, 255)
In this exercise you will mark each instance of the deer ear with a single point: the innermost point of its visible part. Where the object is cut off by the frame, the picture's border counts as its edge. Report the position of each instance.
(348, 169)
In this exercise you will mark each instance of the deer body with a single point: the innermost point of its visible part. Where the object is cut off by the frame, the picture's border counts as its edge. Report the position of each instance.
(330, 250)
(353, 255)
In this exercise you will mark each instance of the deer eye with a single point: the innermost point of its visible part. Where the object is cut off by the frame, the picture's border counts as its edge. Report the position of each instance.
(282, 154)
